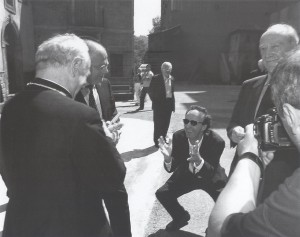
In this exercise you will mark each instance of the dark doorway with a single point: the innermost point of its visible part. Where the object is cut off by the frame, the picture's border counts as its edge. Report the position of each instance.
(13, 59)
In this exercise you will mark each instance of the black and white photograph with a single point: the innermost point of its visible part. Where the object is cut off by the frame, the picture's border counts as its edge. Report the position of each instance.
(149, 118)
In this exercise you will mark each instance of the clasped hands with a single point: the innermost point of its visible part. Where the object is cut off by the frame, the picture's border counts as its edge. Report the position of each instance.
(112, 130)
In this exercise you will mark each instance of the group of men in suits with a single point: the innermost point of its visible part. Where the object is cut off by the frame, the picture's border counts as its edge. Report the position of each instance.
(59, 157)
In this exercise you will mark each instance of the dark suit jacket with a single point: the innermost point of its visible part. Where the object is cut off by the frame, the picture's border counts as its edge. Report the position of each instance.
(211, 150)
(285, 161)
(58, 161)
(157, 92)
(107, 99)
(244, 110)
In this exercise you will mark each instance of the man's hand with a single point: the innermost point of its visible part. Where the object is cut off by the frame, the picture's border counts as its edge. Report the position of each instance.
(165, 148)
(267, 157)
(112, 130)
(114, 126)
(237, 134)
(248, 143)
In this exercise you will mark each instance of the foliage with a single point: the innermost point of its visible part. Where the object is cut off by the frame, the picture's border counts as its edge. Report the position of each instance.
(140, 48)
(156, 22)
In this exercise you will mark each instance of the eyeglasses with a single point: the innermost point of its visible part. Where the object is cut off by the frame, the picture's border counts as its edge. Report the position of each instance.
(193, 122)
(100, 67)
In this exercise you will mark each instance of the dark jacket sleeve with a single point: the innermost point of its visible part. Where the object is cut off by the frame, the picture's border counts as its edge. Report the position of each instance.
(96, 158)
(112, 101)
(211, 151)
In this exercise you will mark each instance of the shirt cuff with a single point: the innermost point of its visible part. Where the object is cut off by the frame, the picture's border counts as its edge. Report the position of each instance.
(199, 167)
(168, 165)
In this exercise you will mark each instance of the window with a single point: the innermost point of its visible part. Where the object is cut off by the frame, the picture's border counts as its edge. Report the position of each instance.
(116, 65)
(10, 5)
(88, 13)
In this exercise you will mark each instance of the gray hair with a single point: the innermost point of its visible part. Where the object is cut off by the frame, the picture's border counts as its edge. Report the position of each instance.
(285, 82)
(166, 65)
(284, 30)
(60, 51)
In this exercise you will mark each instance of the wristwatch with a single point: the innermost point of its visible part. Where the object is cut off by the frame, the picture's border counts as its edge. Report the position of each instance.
(255, 159)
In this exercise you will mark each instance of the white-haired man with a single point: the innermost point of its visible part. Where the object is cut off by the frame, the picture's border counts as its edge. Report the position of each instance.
(161, 92)
(236, 213)
(255, 100)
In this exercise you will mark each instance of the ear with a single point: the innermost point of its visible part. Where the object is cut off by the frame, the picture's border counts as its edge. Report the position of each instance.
(76, 66)
(203, 128)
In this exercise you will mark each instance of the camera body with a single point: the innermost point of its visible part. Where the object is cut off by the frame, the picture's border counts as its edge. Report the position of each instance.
(270, 133)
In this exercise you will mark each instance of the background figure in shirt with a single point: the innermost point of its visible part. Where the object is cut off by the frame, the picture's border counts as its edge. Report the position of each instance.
(236, 213)
(146, 80)
(116, 200)
(255, 100)
(193, 156)
(56, 155)
(161, 92)
(137, 86)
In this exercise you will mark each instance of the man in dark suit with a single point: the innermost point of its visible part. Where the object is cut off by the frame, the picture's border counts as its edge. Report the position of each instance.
(255, 100)
(161, 92)
(57, 159)
(116, 200)
(193, 156)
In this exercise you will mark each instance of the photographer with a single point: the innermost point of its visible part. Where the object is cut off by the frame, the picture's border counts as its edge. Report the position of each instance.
(235, 212)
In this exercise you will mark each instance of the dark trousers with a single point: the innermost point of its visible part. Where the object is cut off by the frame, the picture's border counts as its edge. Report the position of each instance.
(116, 203)
(144, 91)
(181, 182)
(161, 119)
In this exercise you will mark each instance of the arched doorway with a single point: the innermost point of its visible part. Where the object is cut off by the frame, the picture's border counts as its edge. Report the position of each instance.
(13, 58)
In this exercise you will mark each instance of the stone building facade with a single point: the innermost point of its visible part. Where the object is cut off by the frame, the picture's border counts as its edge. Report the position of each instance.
(27, 23)
(197, 37)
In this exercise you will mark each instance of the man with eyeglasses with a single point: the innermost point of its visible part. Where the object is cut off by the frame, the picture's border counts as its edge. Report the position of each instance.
(98, 93)
(193, 155)
(116, 200)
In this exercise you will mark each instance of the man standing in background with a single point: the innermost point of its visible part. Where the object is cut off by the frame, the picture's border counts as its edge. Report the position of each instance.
(161, 92)
(146, 80)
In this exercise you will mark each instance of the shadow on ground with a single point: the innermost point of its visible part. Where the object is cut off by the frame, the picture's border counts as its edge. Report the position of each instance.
(181, 233)
(138, 153)
(137, 111)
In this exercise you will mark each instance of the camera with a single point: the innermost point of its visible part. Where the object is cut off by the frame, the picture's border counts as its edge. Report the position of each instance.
(270, 133)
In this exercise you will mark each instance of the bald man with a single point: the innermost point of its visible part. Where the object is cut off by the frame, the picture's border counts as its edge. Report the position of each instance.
(255, 100)
(161, 92)
(116, 200)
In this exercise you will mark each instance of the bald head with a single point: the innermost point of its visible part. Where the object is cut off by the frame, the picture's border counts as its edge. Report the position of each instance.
(99, 62)
(275, 43)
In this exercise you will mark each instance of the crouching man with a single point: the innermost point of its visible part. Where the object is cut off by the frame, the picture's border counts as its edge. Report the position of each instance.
(193, 156)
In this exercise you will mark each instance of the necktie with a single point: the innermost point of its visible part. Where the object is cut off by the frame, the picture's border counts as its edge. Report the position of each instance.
(92, 102)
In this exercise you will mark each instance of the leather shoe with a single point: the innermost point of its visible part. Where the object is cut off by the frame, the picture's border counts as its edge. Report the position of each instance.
(178, 223)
